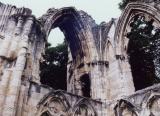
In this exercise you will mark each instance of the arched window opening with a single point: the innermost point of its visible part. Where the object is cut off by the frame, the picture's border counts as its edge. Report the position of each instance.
(141, 51)
(86, 85)
(67, 20)
(54, 66)
(56, 37)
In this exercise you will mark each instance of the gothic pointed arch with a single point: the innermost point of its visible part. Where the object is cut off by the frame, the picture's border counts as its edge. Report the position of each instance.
(83, 108)
(54, 103)
(76, 31)
(125, 108)
(143, 75)
(153, 104)
(130, 11)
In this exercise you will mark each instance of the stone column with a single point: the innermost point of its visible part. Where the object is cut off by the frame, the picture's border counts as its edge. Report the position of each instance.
(15, 40)
(3, 53)
(14, 85)
(77, 84)
(4, 86)
(97, 83)
(11, 101)
(8, 37)
(121, 82)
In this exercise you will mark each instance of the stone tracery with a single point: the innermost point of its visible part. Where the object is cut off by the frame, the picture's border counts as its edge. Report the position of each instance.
(83, 108)
(97, 50)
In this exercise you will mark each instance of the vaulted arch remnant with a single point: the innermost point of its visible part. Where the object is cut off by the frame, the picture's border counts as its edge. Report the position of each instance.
(134, 37)
(55, 107)
(83, 108)
(54, 103)
(77, 33)
(71, 24)
(125, 108)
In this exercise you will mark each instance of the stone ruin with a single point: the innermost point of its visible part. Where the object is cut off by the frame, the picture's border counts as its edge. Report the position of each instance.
(97, 54)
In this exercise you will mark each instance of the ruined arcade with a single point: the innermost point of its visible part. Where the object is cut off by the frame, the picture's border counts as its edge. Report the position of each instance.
(99, 55)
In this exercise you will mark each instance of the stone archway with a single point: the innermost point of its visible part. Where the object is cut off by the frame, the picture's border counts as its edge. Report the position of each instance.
(74, 28)
(83, 108)
(123, 27)
(125, 108)
(53, 104)
(78, 35)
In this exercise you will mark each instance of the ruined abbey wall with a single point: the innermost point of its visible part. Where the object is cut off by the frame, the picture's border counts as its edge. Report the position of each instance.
(96, 52)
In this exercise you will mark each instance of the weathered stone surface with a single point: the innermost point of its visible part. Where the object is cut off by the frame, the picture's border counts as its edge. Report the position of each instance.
(97, 53)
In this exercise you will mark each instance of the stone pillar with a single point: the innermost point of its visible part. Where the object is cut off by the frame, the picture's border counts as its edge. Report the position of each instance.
(16, 38)
(21, 100)
(4, 87)
(77, 84)
(121, 83)
(11, 101)
(3, 53)
(8, 37)
(97, 83)
(127, 78)
(14, 85)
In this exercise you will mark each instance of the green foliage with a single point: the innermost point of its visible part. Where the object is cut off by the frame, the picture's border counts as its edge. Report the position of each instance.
(54, 67)
(143, 39)
(143, 50)
(123, 4)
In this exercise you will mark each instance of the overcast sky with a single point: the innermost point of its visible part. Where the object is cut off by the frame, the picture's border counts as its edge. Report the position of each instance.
(100, 10)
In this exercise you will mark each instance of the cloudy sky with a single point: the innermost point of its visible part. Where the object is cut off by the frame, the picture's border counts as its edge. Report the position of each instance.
(100, 10)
